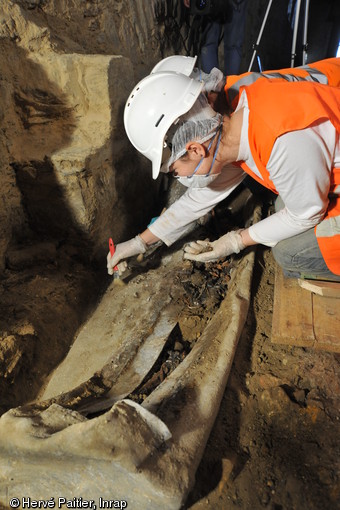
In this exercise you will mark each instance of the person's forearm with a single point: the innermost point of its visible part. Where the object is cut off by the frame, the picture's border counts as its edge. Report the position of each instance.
(247, 240)
(148, 237)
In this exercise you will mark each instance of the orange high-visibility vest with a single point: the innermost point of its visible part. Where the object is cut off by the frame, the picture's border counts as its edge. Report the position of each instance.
(325, 71)
(277, 107)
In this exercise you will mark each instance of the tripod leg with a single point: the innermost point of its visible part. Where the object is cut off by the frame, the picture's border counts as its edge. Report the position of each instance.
(305, 29)
(296, 26)
(260, 34)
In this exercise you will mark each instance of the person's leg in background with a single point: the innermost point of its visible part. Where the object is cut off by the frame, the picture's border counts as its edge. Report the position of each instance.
(234, 31)
(209, 50)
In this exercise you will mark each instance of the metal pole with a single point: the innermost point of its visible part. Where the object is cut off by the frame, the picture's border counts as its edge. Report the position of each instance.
(296, 26)
(305, 29)
(260, 34)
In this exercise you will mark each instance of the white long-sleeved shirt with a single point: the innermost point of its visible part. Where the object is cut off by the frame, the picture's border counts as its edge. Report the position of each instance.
(195, 203)
(299, 166)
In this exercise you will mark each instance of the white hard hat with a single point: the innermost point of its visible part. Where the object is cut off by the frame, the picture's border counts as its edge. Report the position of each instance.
(177, 63)
(153, 106)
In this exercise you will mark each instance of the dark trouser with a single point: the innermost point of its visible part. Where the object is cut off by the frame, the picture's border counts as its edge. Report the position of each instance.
(233, 41)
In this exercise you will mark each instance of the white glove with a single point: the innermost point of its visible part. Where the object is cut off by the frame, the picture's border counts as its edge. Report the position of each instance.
(204, 251)
(134, 246)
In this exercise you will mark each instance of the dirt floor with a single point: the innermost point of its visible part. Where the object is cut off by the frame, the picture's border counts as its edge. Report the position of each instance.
(275, 443)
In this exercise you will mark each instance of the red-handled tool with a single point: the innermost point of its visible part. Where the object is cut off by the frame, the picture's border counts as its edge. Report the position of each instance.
(112, 250)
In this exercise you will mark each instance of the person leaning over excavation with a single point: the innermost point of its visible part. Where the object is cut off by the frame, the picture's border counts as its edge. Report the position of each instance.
(284, 134)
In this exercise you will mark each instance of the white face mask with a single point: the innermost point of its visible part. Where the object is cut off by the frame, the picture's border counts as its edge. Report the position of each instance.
(197, 181)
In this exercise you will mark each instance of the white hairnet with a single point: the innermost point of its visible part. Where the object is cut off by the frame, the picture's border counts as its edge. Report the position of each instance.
(199, 124)
(213, 82)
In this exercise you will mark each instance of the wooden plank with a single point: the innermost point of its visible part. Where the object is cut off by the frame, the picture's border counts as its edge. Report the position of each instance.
(292, 313)
(304, 316)
(322, 288)
(326, 318)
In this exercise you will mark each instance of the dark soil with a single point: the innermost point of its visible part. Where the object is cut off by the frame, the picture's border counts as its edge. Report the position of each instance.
(42, 304)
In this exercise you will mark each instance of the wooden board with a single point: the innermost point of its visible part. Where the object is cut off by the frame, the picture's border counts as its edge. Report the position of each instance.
(303, 318)
(329, 289)
(326, 312)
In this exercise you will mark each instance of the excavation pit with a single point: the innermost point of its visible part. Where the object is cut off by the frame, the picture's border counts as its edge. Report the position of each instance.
(159, 346)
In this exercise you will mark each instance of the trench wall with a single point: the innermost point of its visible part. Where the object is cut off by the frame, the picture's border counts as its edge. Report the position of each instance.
(67, 167)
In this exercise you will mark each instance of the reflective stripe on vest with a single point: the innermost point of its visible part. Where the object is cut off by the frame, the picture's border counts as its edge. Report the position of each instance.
(329, 227)
(301, 104)
(324, 71)
(328, 231)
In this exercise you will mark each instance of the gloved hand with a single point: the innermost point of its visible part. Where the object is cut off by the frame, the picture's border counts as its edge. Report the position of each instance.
(134, 246)
(204, 251)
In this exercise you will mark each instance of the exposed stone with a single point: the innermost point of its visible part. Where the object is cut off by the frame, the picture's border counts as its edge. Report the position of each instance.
(74, 457)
